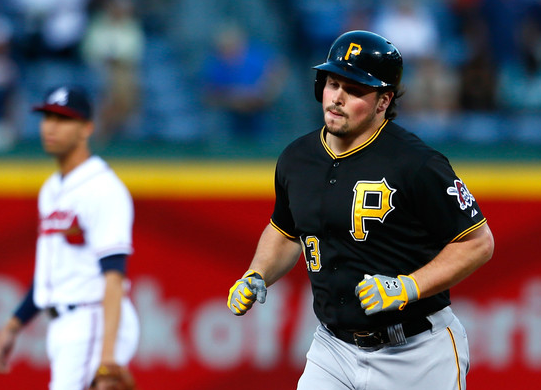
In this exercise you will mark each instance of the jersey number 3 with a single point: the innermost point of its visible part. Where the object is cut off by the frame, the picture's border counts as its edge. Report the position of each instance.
(371, 200)
(311, 253)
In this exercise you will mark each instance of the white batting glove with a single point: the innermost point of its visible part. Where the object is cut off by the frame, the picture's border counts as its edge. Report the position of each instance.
(245, 292)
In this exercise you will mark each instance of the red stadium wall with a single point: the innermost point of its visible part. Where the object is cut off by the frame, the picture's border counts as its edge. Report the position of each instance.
(188, 251)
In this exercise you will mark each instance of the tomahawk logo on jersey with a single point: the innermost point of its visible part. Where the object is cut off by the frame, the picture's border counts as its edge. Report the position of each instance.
(63, 222)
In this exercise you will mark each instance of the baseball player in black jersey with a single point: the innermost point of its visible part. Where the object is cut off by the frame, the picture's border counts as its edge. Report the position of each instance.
(386, 228)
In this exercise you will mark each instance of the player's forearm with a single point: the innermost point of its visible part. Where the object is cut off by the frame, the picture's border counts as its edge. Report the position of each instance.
(8, 334)
(455, 262)
(111, 313)
(275, 255)
(13, 325)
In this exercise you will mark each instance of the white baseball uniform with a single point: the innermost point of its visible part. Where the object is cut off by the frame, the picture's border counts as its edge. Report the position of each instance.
(85, 216)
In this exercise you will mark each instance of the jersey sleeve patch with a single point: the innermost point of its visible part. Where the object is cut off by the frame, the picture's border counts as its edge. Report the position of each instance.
(444, 204)
(463, 196)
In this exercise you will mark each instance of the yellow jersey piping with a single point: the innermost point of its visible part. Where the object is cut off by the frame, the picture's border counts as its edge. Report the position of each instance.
(280, 230)
(469, 230)
(456, 357)
(354, 150)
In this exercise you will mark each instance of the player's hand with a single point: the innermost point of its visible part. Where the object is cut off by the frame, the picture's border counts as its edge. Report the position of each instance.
(382, 293)
(245, 292)
(8, 335)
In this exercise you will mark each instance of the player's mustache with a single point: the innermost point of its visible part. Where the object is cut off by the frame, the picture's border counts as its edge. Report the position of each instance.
(335, 108)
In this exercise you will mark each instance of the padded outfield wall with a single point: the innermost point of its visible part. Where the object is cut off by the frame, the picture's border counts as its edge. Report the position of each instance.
(196, 228)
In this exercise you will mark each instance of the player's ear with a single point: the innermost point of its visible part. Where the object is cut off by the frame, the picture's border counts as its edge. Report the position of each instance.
(384, 100)
(88, 129)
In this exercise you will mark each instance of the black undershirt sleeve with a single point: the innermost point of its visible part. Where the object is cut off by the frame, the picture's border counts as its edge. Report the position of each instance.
(27, 309)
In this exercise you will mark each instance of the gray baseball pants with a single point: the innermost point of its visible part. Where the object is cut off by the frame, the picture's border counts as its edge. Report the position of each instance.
(437, 359)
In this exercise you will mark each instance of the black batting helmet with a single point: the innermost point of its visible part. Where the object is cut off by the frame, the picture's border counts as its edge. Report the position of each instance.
(364, 57)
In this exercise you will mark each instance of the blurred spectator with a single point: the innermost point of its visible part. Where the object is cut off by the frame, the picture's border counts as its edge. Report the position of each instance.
(411, 26)
(317, 25)
(478, 84)
(242, 78)
(114, 45)
(478, 73)
(431, 88)
(520, 81)
(430, 83)
(9, 89)
(53, 27)
(502, 23)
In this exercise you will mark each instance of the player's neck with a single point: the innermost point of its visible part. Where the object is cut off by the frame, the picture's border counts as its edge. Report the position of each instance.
(343, 143)
(69, 162)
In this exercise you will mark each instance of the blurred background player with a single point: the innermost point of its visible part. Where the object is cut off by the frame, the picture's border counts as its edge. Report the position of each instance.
(85, 238)
(386, 228)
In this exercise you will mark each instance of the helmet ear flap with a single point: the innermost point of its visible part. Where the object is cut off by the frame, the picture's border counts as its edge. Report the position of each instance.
(319, 85)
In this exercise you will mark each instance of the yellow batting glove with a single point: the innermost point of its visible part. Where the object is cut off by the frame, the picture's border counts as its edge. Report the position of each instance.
(382, 293)
(245, 292)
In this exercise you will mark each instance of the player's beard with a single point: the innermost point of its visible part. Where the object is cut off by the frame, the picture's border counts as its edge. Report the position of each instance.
(345, 130)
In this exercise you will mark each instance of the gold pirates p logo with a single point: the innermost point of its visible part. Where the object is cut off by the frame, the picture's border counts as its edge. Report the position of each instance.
(372, 200)
(354, 48)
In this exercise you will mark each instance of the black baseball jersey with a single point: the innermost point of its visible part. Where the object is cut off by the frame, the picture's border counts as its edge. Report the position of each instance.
(386, 207)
